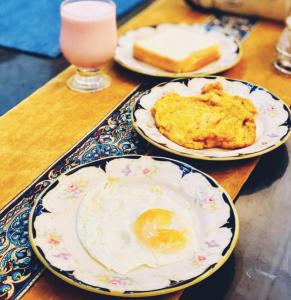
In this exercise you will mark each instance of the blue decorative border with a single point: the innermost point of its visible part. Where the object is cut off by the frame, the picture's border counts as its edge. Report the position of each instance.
(236, 26)
(113, 136)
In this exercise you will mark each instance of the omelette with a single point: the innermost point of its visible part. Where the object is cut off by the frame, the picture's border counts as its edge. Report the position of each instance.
(213, 119)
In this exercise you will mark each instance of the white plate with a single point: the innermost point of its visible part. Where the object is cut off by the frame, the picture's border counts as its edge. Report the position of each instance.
(53, 234)
(229, 48)
(273, 120)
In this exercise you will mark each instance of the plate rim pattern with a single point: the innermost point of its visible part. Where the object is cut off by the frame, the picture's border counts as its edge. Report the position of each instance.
(166, 74)
(135, 294)
(214, 158)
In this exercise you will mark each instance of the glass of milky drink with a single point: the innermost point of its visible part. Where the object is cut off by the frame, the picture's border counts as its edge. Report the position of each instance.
(88, 40)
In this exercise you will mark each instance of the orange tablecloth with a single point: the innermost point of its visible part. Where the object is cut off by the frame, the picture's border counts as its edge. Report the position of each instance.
(40, 129)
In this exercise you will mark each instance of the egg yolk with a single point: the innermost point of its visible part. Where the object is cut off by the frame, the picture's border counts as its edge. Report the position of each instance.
(153, 228)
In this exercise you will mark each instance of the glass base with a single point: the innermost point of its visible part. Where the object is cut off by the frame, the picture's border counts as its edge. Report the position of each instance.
(88, 81)
(282, 67)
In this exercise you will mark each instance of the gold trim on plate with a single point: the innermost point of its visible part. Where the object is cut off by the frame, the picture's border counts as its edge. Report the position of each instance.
(194, 156)
(194, 74)
(138, 294)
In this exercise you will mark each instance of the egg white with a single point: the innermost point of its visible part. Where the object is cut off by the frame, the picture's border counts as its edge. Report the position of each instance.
(107, 214)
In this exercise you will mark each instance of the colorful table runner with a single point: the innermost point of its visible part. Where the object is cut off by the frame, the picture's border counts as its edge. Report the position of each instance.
(54, 118)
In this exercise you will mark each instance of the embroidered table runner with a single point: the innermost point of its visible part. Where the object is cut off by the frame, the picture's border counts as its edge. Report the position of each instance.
(40, 129)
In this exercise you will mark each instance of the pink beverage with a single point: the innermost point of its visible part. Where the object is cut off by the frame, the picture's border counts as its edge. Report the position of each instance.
(88, 32)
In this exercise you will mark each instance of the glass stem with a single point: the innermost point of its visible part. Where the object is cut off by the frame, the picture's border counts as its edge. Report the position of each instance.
(87, 72)
(89, 80)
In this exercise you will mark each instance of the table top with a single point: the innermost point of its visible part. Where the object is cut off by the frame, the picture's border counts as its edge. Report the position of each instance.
(259, 267)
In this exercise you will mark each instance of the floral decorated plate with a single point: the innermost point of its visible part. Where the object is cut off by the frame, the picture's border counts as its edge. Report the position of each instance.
(273, 119)
(229, 48)
(133, 226)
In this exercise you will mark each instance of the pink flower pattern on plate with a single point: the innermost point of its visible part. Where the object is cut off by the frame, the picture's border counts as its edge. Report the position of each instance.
(126, 171)
(146, 171)
(119, 280)
(212, 244)
(73, 188)
(201, 257)
(62, 255)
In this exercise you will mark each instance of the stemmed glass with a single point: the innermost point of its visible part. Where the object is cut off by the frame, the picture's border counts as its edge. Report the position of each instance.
(283, 61)
(88, 40)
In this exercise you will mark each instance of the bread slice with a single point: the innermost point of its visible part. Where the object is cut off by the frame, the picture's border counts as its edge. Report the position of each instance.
(177, 50)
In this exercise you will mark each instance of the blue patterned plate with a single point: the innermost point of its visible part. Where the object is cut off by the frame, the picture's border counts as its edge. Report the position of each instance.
(273, 119)
(68, 214)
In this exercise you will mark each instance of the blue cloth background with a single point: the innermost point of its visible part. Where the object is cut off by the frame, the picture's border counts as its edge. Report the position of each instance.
(33, 25)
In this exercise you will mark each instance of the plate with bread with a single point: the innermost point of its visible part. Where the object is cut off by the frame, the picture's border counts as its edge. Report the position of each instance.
(212, 118)
(133, 226)
(177, 50)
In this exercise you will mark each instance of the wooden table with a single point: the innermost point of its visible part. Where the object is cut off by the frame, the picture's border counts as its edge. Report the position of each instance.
(32, 135)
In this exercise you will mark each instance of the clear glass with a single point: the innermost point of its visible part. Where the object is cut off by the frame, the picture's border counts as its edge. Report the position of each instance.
(283, 61)
(88, 40)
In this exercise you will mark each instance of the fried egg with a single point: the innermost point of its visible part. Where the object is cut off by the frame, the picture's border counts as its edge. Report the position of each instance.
(128, 224)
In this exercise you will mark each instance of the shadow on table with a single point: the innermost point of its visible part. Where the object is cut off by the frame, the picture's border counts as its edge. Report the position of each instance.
(270, 168)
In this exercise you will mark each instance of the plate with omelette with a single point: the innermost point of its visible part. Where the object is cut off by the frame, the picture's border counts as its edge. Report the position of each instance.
(212, 118)
(133, 226)
(177, 50)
